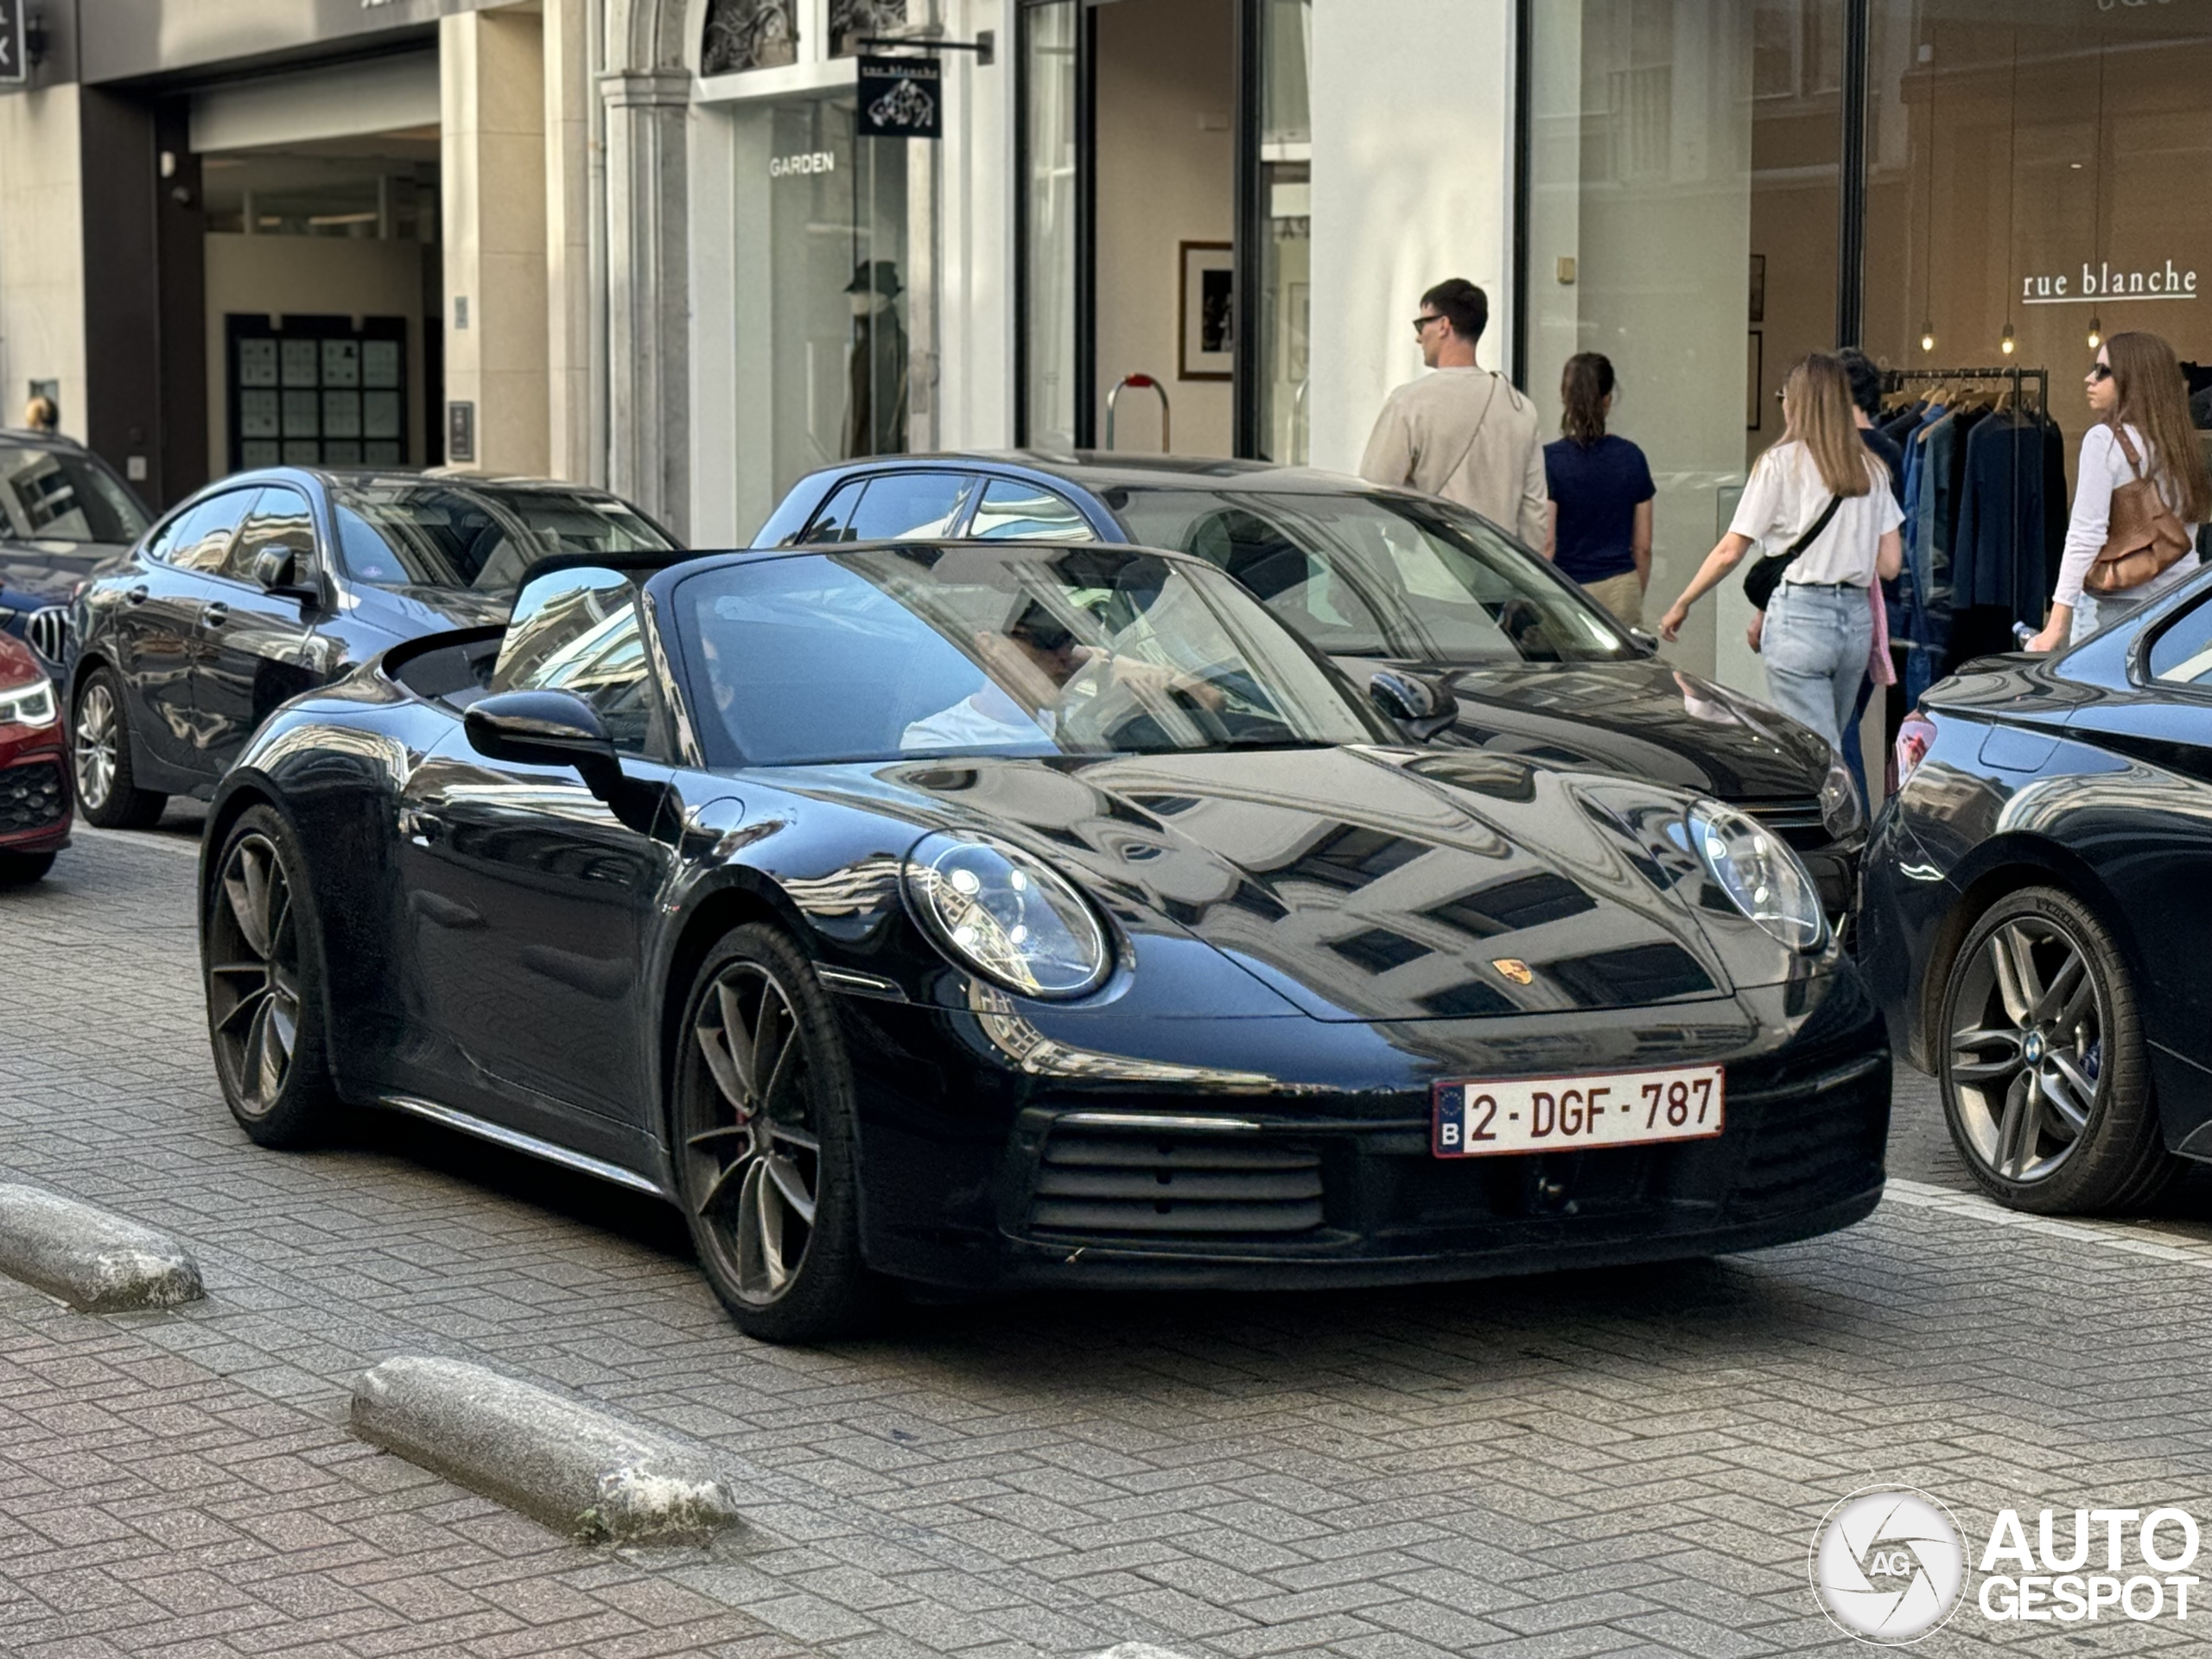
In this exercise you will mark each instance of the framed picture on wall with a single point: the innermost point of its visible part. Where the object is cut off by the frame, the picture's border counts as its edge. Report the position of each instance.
(1207, 317)
(1758, 288)
(1755, 382)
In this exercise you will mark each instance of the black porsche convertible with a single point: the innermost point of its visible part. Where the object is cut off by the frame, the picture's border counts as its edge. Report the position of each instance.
(989, 914)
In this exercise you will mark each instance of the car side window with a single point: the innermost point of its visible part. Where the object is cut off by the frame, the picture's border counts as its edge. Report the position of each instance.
(280, 519)
(1013, 511)
(199, 539)
(829, 523)
(2182, 654)
(899, 504)
(580, 631)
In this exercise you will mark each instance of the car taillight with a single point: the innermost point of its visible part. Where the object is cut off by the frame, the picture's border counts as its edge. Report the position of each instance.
(1914, 737)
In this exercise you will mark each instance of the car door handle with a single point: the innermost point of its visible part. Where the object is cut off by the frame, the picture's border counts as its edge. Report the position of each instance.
(214, 614)
(137, 595)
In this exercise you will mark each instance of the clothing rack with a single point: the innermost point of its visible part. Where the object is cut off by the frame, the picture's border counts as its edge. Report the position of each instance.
(1897, 379)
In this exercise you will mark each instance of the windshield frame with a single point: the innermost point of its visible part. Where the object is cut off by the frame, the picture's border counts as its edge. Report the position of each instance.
(673, 625)
(1396, 616)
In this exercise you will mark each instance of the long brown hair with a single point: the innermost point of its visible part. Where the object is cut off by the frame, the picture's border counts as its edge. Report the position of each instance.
(1817, 412)
(2152, 397)
(1584, 386)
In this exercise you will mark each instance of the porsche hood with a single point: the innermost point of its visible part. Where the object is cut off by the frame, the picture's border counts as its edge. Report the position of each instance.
(1359, 884)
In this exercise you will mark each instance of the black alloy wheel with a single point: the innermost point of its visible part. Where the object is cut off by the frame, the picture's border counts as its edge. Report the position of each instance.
(99, 758)
(264, 1004)
(763, 1125)
(2045, 1078)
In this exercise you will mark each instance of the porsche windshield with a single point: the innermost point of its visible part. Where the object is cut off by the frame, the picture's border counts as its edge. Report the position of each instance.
(435, 535)
(915, 652)
(1381, 576)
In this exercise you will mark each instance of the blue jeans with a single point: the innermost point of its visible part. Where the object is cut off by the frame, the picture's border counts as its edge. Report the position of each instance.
(1816, 644)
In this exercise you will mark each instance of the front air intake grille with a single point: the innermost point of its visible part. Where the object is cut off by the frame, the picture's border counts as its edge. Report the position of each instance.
(30, 797)
(1092, 1181)
(49, 634)
(1800, 823)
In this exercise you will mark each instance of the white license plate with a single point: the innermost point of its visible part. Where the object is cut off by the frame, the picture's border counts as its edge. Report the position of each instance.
(1616, 1109)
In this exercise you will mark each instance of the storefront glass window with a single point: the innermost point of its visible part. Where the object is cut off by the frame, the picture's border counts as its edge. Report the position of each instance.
(1048, 46)
(1682, 221)
(2043, 166)
(822, 312)
(1286, 246)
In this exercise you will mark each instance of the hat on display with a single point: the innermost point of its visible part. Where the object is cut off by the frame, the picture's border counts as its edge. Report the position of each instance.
(875, 277)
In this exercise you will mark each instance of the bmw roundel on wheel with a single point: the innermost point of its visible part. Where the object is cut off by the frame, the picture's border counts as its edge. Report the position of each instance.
(984, 915)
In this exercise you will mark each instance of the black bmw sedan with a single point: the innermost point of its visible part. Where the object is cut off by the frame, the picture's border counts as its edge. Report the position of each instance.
(1379, 578)
(274, 581)
(994, 914)
(2036, 908)
(67, 518)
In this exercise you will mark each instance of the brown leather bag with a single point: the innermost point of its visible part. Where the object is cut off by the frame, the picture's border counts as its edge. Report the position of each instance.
(2142, 536)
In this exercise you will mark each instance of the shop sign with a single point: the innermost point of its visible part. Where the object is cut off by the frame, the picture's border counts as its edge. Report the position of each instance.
(14, 67)
(901, 98)
(2103, 282)
(805, 162)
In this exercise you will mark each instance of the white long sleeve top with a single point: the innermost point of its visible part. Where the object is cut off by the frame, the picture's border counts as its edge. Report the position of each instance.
(2103, 469)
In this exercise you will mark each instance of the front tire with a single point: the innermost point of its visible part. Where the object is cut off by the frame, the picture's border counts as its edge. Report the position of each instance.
(261, 960)
(763, 1143)
(99, 754)
(2045, 1075)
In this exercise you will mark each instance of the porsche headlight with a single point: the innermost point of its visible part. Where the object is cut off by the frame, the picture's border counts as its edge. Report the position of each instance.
(1839, 809)
(29, 705)
(1001, 912)
(1759, 874)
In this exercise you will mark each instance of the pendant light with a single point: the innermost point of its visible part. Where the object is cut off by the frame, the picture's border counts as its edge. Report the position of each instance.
(1927, 225)
(2005, 341)
(2097, 192)
(2096, 334)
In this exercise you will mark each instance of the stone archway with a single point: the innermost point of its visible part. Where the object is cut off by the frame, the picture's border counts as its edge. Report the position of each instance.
(647, 92)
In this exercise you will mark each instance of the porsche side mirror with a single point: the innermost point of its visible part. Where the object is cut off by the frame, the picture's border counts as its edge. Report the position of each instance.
(1644, 641)
(547, 729)
(277, 568)
(1423, 706)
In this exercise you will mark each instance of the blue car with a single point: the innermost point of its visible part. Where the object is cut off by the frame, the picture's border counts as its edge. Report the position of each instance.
(66, 518)
(2036, 909)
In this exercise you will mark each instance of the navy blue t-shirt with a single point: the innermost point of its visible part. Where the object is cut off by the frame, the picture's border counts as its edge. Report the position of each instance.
(1596, 490)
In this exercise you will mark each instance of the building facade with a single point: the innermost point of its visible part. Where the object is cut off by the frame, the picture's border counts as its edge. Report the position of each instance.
(653, 244)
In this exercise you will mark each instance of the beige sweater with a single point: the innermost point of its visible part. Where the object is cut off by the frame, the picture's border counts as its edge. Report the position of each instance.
(1427, 438)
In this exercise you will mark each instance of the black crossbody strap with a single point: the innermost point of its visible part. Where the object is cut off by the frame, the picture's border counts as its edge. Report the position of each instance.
(1827, 515)
(1765, 573)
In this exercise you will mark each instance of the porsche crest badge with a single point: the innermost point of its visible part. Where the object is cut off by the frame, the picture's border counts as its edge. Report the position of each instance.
(1514, 969)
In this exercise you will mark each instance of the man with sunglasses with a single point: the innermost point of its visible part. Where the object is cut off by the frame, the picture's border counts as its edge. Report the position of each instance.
(1462, 432)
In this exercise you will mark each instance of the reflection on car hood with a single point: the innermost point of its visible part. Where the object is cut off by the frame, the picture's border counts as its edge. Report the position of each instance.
(1360, 883)
(409, 612)
(48, 572)
(1640, 718)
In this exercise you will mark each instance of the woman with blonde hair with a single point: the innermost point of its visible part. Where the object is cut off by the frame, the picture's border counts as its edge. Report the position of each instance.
(2143, 432)
(1820, 505)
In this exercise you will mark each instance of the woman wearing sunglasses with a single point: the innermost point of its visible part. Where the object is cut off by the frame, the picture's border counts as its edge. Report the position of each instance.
(2139, 493)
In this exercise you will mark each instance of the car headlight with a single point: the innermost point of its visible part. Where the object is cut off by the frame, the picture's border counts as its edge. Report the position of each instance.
(1840, 808)
(995, 909)
(1759, 874)
(29, 704)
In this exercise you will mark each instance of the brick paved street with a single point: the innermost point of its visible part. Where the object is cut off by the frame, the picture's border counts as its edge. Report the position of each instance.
(1594, 1464)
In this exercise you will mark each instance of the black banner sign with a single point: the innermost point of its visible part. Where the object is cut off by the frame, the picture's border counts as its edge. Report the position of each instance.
(14, 52)
(899, 97)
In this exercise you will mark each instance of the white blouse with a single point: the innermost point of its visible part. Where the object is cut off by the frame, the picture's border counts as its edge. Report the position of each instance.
(2103, 469)
(1786, 494)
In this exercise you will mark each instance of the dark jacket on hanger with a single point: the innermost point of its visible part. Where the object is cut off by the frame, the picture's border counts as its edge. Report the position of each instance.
(1997, 550)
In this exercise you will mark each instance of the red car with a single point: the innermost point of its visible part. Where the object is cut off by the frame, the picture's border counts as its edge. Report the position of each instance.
(34, 769)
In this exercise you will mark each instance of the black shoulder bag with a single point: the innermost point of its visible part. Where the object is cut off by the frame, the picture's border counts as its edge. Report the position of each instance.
(1765, 573)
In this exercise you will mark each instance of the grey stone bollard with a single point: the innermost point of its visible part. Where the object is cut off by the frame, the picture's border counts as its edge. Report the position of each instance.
(95, 1262)
(576, 1468)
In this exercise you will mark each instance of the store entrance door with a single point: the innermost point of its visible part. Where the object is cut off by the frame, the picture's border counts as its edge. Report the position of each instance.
(1163, 205)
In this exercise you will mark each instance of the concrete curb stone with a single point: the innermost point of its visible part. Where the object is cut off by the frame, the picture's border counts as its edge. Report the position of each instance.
(580, 1469)
(97, 1261)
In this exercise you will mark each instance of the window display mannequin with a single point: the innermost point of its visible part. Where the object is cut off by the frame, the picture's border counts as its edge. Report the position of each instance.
(875, 409)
